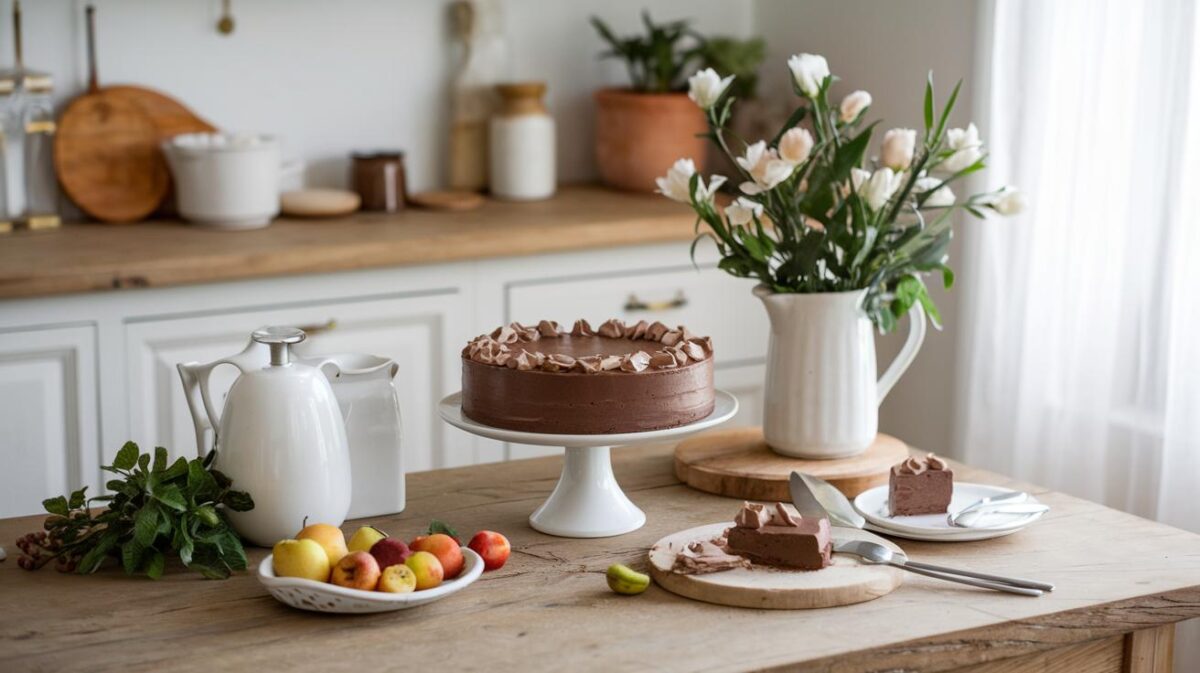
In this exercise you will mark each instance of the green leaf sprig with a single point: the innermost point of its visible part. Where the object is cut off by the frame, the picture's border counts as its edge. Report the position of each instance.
(156, 510)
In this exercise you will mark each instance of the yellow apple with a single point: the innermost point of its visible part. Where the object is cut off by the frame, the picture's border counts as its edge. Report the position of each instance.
(397, 579)
(301, 558)
(329, 537)
(364, 538)
(427, 569)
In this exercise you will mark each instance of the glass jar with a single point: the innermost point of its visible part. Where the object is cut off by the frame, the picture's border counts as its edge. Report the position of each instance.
(378, 178)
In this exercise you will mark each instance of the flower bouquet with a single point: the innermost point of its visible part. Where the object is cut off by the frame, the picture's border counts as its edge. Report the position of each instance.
(837, 222)
(837, 242)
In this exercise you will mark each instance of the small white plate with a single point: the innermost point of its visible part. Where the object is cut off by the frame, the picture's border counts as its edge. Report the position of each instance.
(324, 597)
(873, 505)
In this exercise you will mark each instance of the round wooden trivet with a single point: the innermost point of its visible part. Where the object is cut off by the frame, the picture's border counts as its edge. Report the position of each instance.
(737, 463)
(844, 582)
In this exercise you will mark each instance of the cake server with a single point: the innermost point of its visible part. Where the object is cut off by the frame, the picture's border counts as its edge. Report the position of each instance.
(873, 552)
(823, 500)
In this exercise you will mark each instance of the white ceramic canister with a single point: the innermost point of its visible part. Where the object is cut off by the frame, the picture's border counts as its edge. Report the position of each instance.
(522, 144)
(227, 181)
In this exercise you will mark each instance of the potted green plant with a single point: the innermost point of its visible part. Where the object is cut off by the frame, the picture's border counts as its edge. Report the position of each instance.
(642, 129)
(838, 240)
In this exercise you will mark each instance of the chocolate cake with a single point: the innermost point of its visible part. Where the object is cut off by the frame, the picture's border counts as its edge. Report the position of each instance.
(613, 379)
(920, 486)
(771, 535)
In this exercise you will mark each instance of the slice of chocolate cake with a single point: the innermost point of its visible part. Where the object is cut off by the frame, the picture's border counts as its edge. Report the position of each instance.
(771, 535)
(920, 486)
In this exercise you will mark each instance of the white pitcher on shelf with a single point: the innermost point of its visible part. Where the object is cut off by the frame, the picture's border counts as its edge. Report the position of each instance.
(288, 437)
(822, 399)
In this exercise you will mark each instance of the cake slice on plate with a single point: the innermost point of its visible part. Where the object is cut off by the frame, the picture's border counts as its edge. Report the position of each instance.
(773, 535)
(920, 486)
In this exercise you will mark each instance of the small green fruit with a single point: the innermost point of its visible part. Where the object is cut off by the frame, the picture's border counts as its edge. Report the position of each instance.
(625, 580)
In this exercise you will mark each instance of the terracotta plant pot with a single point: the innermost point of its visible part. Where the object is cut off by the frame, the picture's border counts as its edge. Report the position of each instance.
(640, 135)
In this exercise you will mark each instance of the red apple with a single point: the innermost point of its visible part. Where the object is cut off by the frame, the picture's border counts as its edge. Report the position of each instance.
(492, 546)
(445, 548)
(390, 551)
(356, 570)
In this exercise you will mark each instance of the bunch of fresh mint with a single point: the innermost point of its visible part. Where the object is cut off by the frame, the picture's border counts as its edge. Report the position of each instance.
(156, 510)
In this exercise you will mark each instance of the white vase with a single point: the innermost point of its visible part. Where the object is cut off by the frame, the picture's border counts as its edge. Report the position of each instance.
(822, 398)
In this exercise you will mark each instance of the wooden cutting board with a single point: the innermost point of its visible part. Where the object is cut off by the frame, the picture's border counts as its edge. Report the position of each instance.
(845, 582)
(737, 463)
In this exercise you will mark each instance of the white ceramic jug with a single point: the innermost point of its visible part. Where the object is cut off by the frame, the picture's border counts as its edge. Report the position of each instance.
(281, 437)
(822, 398)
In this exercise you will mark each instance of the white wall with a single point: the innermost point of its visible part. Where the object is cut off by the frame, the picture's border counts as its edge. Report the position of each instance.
(888, 48)
(331, 77)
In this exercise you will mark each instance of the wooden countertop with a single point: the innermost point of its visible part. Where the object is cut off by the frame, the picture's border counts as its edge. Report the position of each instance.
(549, 608)
(89, 257)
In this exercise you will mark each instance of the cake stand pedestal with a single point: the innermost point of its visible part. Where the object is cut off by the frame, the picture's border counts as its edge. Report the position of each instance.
(587, 502)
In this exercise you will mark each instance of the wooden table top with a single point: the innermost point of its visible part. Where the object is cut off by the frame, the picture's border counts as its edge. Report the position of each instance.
(88, 257)
(549, 607)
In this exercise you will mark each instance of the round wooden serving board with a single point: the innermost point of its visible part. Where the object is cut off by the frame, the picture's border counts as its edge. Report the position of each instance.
(846, 581)
(737, 463)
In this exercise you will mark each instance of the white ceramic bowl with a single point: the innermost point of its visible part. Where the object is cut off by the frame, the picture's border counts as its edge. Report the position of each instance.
(323, 597)
(226, 181)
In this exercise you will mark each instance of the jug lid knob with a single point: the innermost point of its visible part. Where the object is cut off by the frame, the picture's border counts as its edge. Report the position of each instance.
(279, 339)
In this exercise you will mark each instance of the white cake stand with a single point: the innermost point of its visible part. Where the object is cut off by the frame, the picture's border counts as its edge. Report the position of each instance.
(587, 502)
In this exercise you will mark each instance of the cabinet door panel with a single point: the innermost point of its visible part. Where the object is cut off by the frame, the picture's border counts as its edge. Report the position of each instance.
(48, 416)
(410, 330)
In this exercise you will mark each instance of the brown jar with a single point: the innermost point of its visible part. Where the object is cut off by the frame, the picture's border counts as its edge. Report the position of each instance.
(378, 178)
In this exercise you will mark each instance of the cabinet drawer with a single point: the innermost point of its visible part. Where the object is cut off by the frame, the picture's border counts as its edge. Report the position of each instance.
(708, 301)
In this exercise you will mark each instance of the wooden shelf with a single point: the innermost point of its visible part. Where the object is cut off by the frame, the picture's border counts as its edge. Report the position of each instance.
(93, 257)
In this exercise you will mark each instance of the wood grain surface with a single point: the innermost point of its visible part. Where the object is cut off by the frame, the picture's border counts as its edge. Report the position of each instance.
(845, 582)
(550, 609)
(83, 257)
(737, 463)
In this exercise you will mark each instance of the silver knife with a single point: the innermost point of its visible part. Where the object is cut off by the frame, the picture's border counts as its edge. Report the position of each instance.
(822, 500)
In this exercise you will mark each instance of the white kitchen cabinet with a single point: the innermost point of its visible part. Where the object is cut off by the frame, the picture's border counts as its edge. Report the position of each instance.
(100, 368)
(49, 425)
(412, 330)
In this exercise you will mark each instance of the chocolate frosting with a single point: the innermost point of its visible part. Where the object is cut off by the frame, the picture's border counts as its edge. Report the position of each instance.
(615, 342)
(707, 556)
(916, 465)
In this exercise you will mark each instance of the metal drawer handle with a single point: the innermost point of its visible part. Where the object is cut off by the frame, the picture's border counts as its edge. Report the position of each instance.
(635, 304)
(327, 326)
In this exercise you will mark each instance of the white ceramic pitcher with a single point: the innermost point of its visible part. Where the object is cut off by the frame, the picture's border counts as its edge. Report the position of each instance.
(287, 436)
(822, 398)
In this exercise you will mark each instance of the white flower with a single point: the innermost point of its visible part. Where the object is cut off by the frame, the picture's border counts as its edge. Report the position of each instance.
(877, 190)
(795, 145)
(674, 185)
(1009, 201)
(942, 198)
(858, 176)
(853, 105)
(706, 87)
(898, 147)
(967, 146)
(809, 71)
(764, 166)
(705, 194)
(743, 210)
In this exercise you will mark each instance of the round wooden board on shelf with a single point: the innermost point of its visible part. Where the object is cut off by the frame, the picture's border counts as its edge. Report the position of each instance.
(846, 581)
(737, 463)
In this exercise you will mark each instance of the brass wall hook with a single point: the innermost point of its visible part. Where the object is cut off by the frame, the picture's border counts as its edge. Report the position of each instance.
(225, 24)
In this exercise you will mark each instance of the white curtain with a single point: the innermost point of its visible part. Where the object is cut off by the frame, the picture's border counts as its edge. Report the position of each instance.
(1080, 359)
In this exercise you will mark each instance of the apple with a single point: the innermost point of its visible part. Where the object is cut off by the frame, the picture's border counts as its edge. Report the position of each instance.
(426, 568)
(300, 558)
(329, 537)
(398, 579)
(356, 570)
(492, 546)
(390, 551)
(364, 538)
(445, 548)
